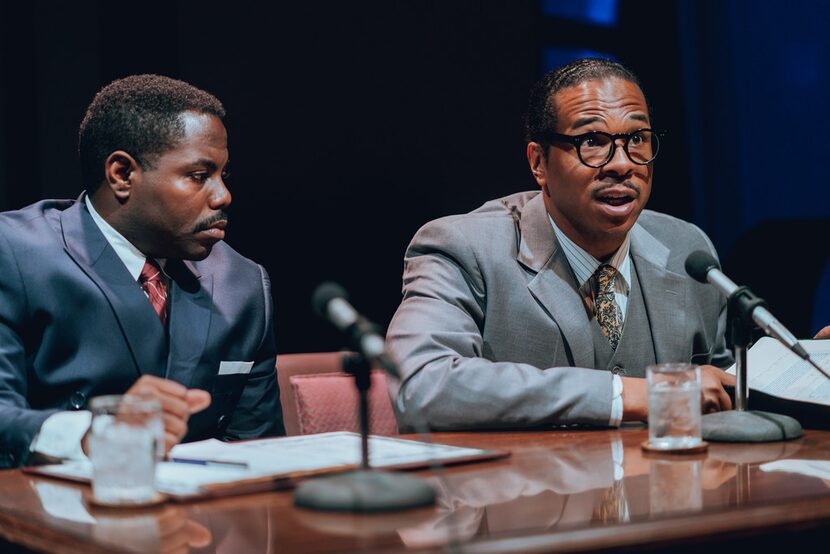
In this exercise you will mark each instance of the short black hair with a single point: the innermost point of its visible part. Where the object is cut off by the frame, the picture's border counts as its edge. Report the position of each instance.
(541, 111)
(140, 114)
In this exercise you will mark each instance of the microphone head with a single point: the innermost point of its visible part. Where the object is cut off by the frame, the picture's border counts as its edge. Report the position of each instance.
(325, 293)
(699, 263)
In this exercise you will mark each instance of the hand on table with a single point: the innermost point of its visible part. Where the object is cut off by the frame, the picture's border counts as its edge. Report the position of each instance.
(177, 404)
(714, 397)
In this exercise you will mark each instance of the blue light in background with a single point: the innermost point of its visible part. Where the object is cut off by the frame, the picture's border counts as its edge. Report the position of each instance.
(554, 57)
(595, 12)
(803, 63)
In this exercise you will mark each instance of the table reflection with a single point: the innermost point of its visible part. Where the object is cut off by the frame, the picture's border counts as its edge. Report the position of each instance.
(553, 481)
(165, 529)
(608, 481)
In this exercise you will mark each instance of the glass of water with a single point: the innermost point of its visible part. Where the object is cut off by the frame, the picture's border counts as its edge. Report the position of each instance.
(673, 406)
(124, 443)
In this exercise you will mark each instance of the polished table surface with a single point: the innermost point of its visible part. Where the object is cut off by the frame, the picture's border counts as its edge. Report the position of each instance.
(559, 490)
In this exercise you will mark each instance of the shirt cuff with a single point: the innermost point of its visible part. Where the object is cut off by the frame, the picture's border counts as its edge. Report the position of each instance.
(60, 435)
(616, 402)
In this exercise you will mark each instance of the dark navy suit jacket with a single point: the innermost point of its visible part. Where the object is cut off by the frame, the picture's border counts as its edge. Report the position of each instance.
(74, 324)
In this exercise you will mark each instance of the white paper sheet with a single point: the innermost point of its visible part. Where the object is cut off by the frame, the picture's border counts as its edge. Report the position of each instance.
(774, 370)
(276, 456)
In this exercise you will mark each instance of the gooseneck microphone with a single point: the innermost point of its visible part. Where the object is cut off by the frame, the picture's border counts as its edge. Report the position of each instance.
(331, 302)
(703, 267)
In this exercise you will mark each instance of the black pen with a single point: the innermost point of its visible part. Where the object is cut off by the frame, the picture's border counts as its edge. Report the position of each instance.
(208, 462)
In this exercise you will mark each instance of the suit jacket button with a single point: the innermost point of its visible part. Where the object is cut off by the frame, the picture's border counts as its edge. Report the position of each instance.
(77, 400)
(618, 370)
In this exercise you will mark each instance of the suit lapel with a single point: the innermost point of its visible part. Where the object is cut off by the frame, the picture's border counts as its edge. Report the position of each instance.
(137, 321)
(554, 286)
(190, 313)
(664, 295)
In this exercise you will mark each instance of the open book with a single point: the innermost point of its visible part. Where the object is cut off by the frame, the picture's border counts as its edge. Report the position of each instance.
(781, 382)
(265, 464)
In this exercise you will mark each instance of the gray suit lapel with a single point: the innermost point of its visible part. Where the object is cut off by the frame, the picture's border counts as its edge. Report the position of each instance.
(190, 313)
(554, 286)
(664, 295)
(137, 321)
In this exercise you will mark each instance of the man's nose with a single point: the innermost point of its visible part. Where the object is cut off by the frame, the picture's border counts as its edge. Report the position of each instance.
(619, 164)
(220, 196)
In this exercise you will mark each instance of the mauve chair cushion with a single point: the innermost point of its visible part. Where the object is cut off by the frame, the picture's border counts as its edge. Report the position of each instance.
(328, 402)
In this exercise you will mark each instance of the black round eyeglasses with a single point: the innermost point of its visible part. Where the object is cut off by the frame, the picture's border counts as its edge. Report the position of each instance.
(596, 149)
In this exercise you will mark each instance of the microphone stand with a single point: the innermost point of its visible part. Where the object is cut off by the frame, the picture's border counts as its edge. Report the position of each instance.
(742, 424)
(364, 489)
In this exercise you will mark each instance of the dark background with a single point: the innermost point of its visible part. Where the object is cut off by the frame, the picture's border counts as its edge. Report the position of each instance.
(353, 123)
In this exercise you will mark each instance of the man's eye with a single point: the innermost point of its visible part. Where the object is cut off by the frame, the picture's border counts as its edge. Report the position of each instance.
(199, 177)
(593, 141)
(226, 175)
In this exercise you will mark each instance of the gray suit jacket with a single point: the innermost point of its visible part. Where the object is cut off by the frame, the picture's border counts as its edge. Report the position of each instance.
(74, 324)
(493, 333)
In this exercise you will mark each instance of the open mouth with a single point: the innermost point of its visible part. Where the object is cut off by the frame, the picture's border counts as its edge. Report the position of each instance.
(616, 199)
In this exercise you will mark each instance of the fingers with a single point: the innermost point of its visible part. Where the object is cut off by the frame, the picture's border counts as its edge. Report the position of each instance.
(176, 401)
(197, 400)
(176, 426)
(728, 379)
(170, 440)
(153, 384)
(714, 397)
(824, 333)
(723, 399)
(170, 395)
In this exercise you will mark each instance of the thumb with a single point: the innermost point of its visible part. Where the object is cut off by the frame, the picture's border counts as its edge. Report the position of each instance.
(197, 400)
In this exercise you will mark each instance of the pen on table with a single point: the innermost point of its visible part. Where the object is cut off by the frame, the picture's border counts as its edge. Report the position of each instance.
(199, 462)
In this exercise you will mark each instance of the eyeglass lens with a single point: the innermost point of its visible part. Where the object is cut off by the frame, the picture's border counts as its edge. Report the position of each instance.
(641, 147)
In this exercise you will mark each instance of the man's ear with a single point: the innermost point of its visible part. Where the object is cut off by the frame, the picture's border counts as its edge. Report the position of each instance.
(536, 160)
(120, 170)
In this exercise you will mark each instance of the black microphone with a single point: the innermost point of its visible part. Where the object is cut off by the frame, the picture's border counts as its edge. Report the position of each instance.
(703, 267)
(330, 301)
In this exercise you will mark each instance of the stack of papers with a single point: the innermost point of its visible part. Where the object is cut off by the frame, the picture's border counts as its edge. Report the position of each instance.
(267, 461)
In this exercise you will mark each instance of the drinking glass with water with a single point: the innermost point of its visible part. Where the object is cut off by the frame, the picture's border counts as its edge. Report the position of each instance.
(673, 406)
(125, 440)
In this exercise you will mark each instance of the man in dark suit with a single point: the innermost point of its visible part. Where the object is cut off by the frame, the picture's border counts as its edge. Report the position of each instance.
(130, 289)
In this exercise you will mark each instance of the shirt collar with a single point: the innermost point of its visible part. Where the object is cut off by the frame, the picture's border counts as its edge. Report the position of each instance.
(131, 256)
(584, 265)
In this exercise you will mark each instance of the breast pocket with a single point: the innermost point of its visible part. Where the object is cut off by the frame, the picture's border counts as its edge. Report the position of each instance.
(227, 389)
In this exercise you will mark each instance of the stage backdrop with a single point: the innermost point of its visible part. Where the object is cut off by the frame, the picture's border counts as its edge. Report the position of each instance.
(353, 123)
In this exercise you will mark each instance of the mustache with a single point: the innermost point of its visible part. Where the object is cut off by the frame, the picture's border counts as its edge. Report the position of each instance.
(635, 188)
(207, 223)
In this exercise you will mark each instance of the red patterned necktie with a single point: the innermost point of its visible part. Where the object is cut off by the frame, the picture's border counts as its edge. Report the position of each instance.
(153, 284)
(607, 311)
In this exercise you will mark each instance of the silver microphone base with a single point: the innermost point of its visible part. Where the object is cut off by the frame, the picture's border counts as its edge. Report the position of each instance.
(749, 426)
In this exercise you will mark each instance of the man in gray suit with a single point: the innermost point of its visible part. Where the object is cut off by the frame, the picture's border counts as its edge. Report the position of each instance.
(544, 308)
(131, 289)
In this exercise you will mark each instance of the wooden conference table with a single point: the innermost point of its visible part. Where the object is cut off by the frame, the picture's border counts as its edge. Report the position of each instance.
(559, 491)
